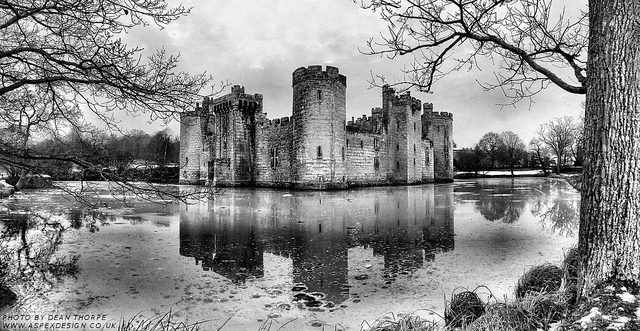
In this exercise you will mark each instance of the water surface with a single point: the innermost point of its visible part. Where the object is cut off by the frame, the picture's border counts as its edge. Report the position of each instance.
(312, 259)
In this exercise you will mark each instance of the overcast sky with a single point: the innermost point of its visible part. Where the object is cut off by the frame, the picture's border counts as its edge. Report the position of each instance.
(259, 43)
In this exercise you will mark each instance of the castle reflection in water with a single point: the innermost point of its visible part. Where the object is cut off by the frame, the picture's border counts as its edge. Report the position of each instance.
(406, 226)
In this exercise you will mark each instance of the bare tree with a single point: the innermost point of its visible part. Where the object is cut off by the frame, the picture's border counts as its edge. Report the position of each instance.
(512, 150)
(533, 48)
(541, 152)
(490, 144)
(57, 57)
(470, 160)
(559, 135)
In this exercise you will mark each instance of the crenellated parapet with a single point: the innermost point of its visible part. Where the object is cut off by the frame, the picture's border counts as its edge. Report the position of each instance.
(277, 122)
(442, 115)
(367, 124)
(315, 72)
(237, 98)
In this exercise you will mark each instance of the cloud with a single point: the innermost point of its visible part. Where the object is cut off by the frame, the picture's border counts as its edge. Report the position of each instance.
(259, 44)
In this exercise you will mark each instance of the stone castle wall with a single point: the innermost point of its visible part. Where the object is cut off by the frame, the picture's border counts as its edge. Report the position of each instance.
(229, 141)
(275, 153)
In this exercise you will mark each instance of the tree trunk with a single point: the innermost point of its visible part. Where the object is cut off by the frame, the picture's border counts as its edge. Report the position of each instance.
(542, 164)
(22, 180)
(609, 240)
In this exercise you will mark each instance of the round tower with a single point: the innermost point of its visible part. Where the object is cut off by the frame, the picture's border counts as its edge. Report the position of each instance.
(319, 114)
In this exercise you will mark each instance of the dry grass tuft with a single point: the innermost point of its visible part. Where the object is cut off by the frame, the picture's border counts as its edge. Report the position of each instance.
(545, 308)
(504, 317)
(157, 323)
(464, 308)
(408, 322)
(545, 278)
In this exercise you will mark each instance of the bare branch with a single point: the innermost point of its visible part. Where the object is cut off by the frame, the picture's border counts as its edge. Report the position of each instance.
(531, 47)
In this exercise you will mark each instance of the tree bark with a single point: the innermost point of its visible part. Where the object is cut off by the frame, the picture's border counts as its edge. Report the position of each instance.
(609, 240)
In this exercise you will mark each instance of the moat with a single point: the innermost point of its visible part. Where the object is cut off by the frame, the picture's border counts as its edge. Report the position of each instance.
(306, 258)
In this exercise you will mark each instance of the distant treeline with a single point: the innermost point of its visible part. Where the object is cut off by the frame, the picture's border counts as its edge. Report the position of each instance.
(132, 156)
(557, 144)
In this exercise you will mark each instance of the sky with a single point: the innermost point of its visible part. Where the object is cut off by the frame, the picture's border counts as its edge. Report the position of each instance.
(259, 43)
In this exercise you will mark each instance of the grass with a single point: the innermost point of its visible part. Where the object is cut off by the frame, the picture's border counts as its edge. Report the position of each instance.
(544, 278)
(158, 323)
(404, 323)
(463, 308)
(504, 317)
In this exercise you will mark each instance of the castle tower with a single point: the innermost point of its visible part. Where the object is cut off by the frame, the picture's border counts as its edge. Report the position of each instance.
(438, 127)
(192, 158)
(319, 113)
(232, 137)
(402, 115)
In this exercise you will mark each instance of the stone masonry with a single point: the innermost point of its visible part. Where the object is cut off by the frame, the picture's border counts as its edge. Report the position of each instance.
(229, 141)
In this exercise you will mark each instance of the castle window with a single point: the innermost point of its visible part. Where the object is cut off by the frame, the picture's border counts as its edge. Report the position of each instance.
(398, 123)
(319, 152)
(414, 148)
(438, 127)
(431, 144)
(347, 143)
(361, 144)
(320, 95)
(376, 163)
(398, 164)
(375, 143)
(274, 157)
(414, 161)
(426, 157)
(415, 128)
(343, 152)
(397, 147)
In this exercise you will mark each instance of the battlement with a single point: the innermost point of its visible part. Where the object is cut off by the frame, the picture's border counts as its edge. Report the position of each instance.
(282, 121)
(366, 124)
(237, 89)
(315, 72)
(404, 99)
(237, 97)
(442, 115)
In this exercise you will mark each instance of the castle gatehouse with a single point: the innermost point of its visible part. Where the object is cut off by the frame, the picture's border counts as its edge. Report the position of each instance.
(229, 141)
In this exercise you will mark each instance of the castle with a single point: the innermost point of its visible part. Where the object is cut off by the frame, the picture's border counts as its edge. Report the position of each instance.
(229, 141)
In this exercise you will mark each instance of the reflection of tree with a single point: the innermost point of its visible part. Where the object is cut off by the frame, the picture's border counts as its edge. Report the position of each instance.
(28, 252)
(557, 214)
(503, 204)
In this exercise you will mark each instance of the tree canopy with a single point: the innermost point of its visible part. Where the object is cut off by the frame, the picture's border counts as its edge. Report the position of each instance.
(59, 58)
